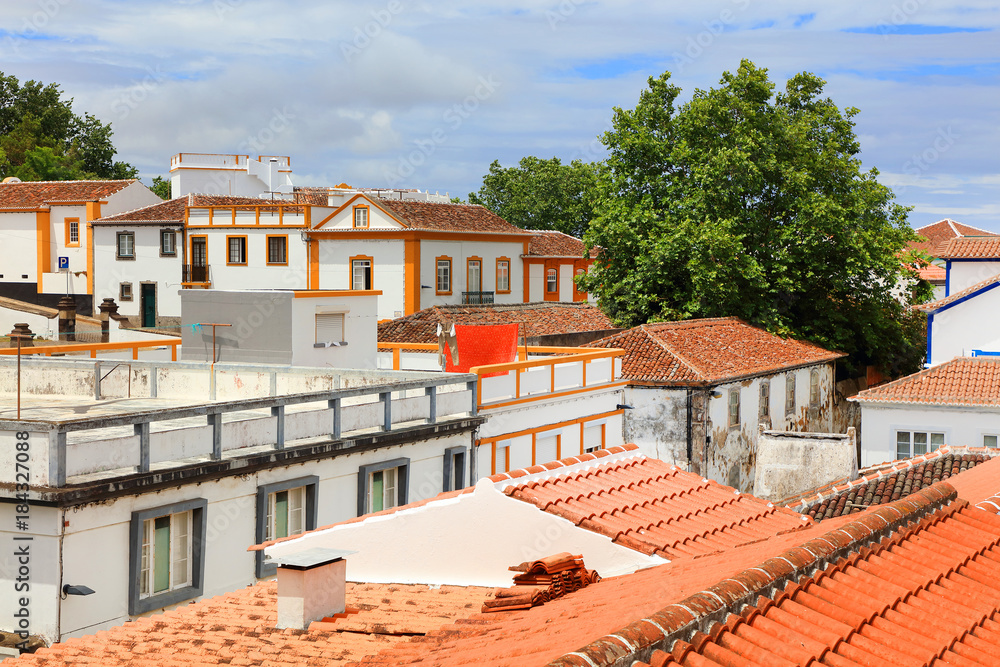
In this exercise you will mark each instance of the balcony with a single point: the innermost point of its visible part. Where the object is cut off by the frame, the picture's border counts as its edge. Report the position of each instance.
(196, 274)
(477, 298)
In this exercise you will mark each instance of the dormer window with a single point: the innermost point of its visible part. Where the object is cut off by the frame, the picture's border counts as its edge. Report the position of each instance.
(361, 216)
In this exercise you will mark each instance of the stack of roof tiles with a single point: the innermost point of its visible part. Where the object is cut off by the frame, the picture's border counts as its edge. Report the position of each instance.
(655, 508)
(886, 486)
(541, 581)
(707, 351)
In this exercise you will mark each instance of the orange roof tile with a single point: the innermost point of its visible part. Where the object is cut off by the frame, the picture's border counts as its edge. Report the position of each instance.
(173, 210)
(37, 193)
(540, 319)
(932, 273)
(447, 217)
(970, 247)
(708, 351)
(964, 381)
(934, 306)
(655, 508)
(550, 243)
(941, 231)
(239, 629)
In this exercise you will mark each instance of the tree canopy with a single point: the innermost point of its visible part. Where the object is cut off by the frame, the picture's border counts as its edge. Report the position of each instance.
(539, 194)
(751, 203)
(42, 139)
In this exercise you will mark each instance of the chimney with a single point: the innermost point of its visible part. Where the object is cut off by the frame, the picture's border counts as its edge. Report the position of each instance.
(21, 331)
(67, 318)
(311, 586)
(107, 308)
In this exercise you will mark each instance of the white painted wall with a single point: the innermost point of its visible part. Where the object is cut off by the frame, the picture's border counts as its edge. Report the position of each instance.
(536, 282)
(460, 252)
(18, 249)
(360, 329)
(963, 274)
(40, 325)
(256, 273)
(129, 198)
(967, 326)
(216, 174)
(387, 272)
(54, 282)
(961, 426)
(566, 282)
(148, 266)
(471, 539)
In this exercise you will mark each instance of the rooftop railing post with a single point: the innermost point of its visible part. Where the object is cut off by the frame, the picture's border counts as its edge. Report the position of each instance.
(334, 405)
(274, 384)
(153, 372)
(97, 380)
(57, 458)
(432, 395)
(386, 398)
(472, 387)
(215, 421)
(278, 412)
(142, 430)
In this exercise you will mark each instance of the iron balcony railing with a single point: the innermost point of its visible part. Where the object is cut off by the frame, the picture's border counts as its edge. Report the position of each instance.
(196, 274)
(477, 298)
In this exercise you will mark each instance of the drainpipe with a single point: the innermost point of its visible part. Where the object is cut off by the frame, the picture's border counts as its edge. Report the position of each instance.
(690, 435)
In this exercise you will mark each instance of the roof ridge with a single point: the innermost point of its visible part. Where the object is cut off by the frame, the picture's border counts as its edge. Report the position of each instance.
(951, 298)
(680, 359)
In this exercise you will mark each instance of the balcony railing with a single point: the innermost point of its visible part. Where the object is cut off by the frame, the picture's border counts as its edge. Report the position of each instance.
(196, 274)
(477, 298)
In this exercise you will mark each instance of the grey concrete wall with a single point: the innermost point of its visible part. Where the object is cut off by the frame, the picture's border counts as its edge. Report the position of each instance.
(260, 332)
(789, 464)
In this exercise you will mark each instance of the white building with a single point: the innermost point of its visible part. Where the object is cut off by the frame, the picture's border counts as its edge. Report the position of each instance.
(230, 175)
(43, 221)
(146, 482)
(953, 403)
(698, 391)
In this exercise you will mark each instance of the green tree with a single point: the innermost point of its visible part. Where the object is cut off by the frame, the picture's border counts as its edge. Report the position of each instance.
(34, 116)
(161, 187)
(749, 203)
(540, 194)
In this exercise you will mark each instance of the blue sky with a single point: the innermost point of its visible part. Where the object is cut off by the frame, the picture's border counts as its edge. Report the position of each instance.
(420, 94)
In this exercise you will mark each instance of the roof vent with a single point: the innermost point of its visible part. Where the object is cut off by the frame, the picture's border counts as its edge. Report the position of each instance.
(311, 586)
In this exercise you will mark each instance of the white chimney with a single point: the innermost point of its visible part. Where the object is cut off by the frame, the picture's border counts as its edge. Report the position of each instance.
(311, 586)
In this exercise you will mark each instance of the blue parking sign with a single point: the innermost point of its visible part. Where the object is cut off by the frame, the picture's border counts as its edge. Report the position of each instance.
(63, 263)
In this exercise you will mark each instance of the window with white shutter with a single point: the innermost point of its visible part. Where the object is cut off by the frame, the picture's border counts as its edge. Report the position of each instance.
(329, 328)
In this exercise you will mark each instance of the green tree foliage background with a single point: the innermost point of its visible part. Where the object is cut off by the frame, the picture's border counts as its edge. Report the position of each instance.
(42, 139)
(750, 203)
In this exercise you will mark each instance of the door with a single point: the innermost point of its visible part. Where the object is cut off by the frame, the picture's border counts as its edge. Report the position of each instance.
(199, 259)
(148, 305)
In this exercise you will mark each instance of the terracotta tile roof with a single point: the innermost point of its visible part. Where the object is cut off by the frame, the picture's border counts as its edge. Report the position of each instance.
(37, 193)
(933, 273)
(970, 381)
(891, 483)
(970, 247)
(655, 508)
(708, 351)
(934, 306)
(550, 243)
(926, 595)
(541, 318)
(173, 210)
(447, 217)
(941, 231)
(238, 629)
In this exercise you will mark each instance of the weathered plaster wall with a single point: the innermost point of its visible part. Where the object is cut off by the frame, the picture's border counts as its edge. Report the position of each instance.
(792, 463)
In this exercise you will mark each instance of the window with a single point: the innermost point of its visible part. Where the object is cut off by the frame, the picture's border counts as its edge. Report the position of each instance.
(166, 560)
(547, 448)
(474, 274)
(72, 232)
(593, 437)
(361, 216)
(277, 250)
(237, 246)
(990, 441)
(125, 292)
(443, 285)
(168, 242)
(814, 389)
(551, 281)
(503, 275)
(382, 486)
(501, 456)
(915, 443)
(789, 394)
(283, 509)
(329, 328)
(734, 407)
(361, 273)
(765, 399)
(126, 245)
(454, 468)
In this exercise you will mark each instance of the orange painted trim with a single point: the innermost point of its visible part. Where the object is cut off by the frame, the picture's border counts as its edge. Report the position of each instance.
(228, 227)
(43, 240)
(315, 294)
(67, 224)
(349, 203)
(90, 260)
(496, 284)
(312, 250)
(580, 267)
(92, 348)
(423, 234)
(469, 261)
(544, 397)
(350, 264)
(550, 266)
(527, 281)
(550, 427)
(534, 447)
(94, 210)
(246, 250)
(451, 275)
(411, 276)
(267, 249)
